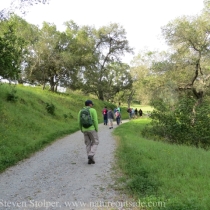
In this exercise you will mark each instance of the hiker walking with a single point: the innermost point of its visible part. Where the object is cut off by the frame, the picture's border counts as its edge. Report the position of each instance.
(136, 113)
(132, 113)
(110, 116)
(88, 124)
(140, 112)
(117, 116)
(129, 112)
(119, 109)
(104, 112)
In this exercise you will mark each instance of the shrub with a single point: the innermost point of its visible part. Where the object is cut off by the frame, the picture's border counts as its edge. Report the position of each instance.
(50, 108)
(183, 123)
(12, 96)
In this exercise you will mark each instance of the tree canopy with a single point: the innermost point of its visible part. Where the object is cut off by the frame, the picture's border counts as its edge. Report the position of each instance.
(81, 57)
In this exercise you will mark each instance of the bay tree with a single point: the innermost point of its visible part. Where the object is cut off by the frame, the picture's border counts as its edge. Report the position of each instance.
(79, 53)
(12, 45)
(57, 58)
(44, 64)
(186, 72)
(118, 78)
(11, 50)
(147, 71)
(24, 31)
(110, 44)
(189, 37)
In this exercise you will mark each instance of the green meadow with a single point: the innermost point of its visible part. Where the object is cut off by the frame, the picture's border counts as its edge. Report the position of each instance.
(160, 175)
(155, 174)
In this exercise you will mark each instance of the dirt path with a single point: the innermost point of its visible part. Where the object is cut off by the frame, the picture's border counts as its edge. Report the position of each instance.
(59, 177)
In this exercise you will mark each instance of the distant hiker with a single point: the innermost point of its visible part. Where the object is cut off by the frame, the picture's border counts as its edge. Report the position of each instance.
(115, 109)
(88, 124)
(117, 116)
(140, 112)
(129, 113)
(104, 112)
(110, 116)
(136, 112)
(120, 113)
(132, 113)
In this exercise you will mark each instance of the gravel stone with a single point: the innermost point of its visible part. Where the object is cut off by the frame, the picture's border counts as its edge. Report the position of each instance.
(58, 177)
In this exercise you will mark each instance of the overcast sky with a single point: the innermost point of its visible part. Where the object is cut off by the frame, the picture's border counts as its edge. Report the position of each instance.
(142, 19)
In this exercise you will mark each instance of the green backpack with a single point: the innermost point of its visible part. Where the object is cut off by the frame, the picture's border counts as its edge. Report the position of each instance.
(85, 117)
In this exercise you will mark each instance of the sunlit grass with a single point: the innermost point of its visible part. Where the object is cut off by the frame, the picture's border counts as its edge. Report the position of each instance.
(157, 171)
(26, 126)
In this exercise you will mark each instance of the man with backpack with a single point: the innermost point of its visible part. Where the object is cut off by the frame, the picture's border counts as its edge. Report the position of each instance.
(88, 124)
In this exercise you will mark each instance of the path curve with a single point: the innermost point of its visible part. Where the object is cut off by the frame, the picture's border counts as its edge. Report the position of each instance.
(58, 177)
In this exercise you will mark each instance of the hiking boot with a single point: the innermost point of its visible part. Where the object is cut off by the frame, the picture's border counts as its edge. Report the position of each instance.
(91, 159)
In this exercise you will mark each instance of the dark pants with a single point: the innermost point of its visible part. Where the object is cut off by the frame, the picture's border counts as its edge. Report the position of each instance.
(105, 119)
(118, 120)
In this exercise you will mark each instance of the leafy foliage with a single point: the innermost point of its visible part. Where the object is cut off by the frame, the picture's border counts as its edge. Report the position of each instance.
(107, 75)
(182, 123)
(50, 107)
(11, 52)
(11, 96)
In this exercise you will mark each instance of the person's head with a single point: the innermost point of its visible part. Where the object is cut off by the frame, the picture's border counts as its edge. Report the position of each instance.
(88, 103)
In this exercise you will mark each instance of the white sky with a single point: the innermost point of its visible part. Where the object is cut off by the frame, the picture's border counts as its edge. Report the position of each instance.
(142, 19)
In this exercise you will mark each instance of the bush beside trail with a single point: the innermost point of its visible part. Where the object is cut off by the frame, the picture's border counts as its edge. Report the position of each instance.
(183, 123)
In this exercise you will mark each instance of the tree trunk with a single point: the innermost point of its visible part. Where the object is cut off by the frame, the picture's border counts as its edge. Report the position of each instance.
(130, 98)
(52, 84)
(101, 95)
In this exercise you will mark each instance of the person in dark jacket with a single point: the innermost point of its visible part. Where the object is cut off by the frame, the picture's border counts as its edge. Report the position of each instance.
(136, 113)
(140, 112)
(110, 117)
(104, 112)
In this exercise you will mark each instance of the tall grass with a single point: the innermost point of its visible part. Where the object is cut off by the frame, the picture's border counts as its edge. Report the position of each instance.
(28, 122)
(176, 176)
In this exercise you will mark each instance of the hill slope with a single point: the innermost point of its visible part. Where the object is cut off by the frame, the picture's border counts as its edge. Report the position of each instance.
(32, 118)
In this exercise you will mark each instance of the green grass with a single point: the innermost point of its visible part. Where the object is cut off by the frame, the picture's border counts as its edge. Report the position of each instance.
(26, 126)
(177, 176)
(145, 108)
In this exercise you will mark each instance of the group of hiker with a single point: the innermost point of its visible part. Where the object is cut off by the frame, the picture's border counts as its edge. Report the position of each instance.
(109, 115)
(88, 124)
(134, 113)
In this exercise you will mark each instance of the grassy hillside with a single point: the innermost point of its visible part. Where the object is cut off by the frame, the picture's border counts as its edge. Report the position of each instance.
(157, 174)
(160, 175)
(28, 121)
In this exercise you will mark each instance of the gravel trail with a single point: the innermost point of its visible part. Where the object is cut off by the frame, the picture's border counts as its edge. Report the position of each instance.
(58, 177)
